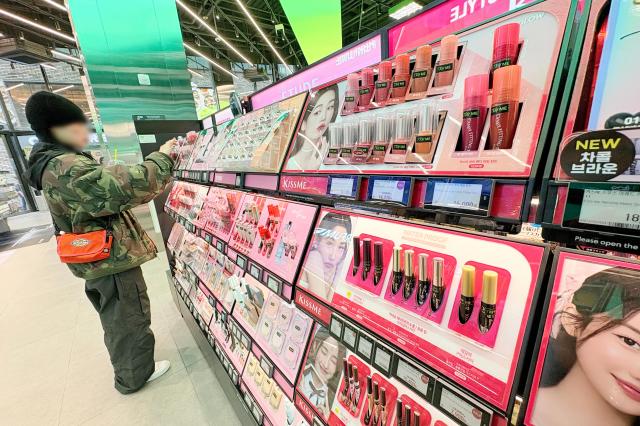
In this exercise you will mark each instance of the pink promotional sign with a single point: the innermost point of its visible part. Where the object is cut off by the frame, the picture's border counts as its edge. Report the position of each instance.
(315, 185)
(367, 53)
(446, 18)
(223, 116)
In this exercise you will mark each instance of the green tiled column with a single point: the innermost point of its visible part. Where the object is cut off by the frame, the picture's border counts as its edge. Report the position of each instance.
(136, 65)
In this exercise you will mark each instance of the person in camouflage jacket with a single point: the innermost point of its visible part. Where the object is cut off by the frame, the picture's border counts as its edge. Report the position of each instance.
(84, 196)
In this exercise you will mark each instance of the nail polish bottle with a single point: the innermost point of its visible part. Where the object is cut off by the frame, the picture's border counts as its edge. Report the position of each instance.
(377, 262)
(474, 113)
(446, 63)
(404, 132)
(335, 142)
(398, 412)
(505, 104)
(426, 128)
(383, 134)
(383, 84)
(356, 256)
(370, 401)
(409, 277)
(351, 94)
(437, 292)
(506, 39)
(349, 138)
(397, 270)
(423, 279)
(467, 293)
(366, 255)
(422, 69)
(407, 415)
(489, 299)
(366, 88)
(400, 77)
(365, 139)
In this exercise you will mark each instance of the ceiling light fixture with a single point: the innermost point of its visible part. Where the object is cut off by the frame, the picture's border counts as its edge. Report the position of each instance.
(211, 30)
(56, 4)
(403, 9)
(36, 25)
(264, 36)
(208, 59)
(62, 89)
(15, 86)
(197, 74)
(66, 57)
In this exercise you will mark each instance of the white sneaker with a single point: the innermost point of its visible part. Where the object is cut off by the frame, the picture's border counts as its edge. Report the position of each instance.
(161, 368)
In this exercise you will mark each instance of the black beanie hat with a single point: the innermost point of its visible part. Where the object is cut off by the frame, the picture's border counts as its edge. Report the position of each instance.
(45, 110)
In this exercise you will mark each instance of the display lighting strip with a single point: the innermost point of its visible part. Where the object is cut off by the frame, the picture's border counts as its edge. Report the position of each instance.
(195, 16)
(15, 86)
(36, 25)
(264, 36)
(62, 89)
(56, 4)
(197, 74)
(65, 56)
(208, 59)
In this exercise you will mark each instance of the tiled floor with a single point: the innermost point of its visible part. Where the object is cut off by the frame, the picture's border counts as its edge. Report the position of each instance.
(55, 369)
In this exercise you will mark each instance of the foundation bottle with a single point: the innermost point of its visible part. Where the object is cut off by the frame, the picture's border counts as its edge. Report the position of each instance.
(351, 95)
(426, 128)
(349, 138)
(447, 59)
(400, 77)
(474, 113)
(382, 136)
(384, 82)
(422, 69)
(366, 87)
(403, 134)
(365, 139)
(504, 106)
(335, 143)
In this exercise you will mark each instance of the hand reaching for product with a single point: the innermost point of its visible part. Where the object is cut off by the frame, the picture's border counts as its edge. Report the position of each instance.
(168, 148)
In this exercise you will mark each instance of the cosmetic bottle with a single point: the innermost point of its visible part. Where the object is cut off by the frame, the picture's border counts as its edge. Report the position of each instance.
(383, 407)
(423, 279)
(345, 389)
(447, 59)
(404, 131)
(400, 77)
(398, 412)
(366, 256)
(369, 413)
(350, 136)
(382, 136)
(351, 94)
(355, 397)
(474, 113)
(409, 277)
(416, 418)
(365, 139)
(504, 106)
(383, 83)
(506, 39)
(437, 292)
(376, 404)
(366, 88)
(397, 270)
(467, 292)
(347, 402)
(426, 128)
(422, 69)
(335, 142)
(489, 298)
(356, 256)
(407, 415)
(377, 262)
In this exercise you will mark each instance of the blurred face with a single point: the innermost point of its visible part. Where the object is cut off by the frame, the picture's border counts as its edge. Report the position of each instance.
(332, 250)
(327, 360)
(74, 135)
(611, 362)
(316, 124)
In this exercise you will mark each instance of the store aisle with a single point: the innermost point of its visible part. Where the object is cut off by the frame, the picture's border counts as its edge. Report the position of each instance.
(55, 368)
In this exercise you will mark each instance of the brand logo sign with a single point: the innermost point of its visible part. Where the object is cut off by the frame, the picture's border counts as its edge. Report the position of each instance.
(80, 242)
(314, 308)
(316, 185)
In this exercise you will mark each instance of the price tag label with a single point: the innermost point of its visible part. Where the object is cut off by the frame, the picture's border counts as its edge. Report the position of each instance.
(343, 186)
(390, 189)
(459, 194)
(459, 408)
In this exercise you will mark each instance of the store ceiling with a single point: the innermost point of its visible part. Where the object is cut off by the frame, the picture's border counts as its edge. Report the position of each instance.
(359, 18)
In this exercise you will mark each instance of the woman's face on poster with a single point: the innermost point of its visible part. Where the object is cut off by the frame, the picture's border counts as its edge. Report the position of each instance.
(318, 120)
(326, 362)
(332, 250)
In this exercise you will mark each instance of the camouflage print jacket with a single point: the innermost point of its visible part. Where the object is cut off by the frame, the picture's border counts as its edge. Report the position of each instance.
(84, 196)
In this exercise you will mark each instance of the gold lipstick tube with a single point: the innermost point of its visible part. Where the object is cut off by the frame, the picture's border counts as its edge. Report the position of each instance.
(397, 270)
(437, 293)
(409, 277)
(489, 300)
(423, 279)
(467, 293)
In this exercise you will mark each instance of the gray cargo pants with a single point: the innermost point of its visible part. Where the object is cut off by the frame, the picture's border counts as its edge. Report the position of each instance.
(123, 305)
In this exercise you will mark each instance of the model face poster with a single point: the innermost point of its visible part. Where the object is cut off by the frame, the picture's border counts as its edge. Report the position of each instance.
(588, 373)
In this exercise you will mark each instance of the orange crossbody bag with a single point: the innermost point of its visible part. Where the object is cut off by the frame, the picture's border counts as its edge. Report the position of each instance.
(84, 248)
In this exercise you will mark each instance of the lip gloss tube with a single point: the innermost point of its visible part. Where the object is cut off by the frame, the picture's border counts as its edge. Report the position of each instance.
(345, 389)
(447, 59)
(422, 69)
(423, 279)
(437, 293)
(367, 416)
(409, 277)
(376, 402)
(355, 397)
(398, 412)
(356, 256)
(397, 270)
(489, 299)
(377, 262)
(400, 77)
(474, 112)
(504, 106)
(350, 393)
(467, 293)
(366, 87)
(335, 142)
(506, 39)
(427, 126)
(383, 133)
(366, 253)
(407, 415)
(384, 81)
(404, 131)
(351, 94)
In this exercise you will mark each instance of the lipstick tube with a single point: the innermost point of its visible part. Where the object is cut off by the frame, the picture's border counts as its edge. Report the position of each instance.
(366, 87)
(355, 396)
(376, 402)
(383, 407)
(398, 412)
(335, 142)
(366, 253)
(467, 293)
(384, 82)
(407, 415)
(356, 256)
(397, 270)
(504, 106)
(400, 77)
(377, 262)
(383, 134)
(474, 111)
(446, 63)
(427, 126)
(370, 402)
(351, 94)
(422, 69)
(404, 131)
(423, 279)
(506, 39)
(347, 401)
(409, 277)
(416, 418)
(345, 389)
(489, 299)
(437, 293)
